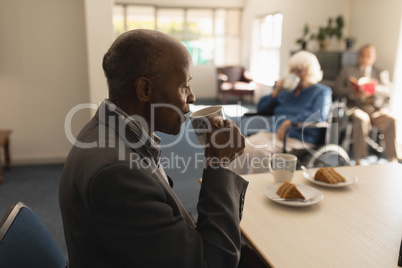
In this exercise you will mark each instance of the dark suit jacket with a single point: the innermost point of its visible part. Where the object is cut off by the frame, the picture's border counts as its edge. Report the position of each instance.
(343, 88)
(118, 213)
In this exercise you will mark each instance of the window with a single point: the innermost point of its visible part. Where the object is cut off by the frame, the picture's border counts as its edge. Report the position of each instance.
(211, 35)
(170, 21)
(266, 45)
(199, 40)
(128, 17)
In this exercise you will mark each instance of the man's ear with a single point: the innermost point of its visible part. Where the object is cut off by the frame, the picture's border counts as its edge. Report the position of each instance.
(143, 88)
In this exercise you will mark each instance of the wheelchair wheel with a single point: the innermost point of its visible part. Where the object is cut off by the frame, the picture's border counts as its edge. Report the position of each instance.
(327, 155)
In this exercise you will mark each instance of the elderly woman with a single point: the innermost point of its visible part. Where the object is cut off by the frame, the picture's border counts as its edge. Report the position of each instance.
(310, 101)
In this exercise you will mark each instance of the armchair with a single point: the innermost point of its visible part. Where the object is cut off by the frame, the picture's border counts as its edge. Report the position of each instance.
(234, 80)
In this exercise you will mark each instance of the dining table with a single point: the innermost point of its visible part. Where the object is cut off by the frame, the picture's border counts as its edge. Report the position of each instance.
(356, 225)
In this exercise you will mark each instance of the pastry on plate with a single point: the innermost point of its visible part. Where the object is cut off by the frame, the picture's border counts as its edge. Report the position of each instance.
(329, 175)
(288, 190)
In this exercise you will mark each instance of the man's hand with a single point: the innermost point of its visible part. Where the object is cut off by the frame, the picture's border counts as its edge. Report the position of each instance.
(361, 94)
(224, 143)
(358, 92)
(280, 133)
(353, 80)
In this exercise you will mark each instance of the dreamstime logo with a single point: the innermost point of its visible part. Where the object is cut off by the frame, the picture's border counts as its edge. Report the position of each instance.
(109, 124)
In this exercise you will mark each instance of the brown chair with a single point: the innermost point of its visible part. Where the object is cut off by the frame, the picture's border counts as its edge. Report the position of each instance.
(234, 80)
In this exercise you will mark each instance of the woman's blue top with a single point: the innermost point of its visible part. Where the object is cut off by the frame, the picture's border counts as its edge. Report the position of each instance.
(311, 105)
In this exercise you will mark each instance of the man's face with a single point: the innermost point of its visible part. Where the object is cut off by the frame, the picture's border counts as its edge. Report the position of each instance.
(173, 95)
(367, 56)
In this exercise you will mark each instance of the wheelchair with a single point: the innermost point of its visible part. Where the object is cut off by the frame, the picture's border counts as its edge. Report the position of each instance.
(327, 152)
(375, 139)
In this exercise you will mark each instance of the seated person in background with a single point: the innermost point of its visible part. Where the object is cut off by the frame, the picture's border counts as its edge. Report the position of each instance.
(367, 106)
(310, 101)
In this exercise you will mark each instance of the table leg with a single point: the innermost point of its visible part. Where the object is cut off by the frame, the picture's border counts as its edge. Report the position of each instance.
(7, 153)
(1, 171)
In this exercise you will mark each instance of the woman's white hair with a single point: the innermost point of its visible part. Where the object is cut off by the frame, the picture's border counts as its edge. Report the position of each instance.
(307, 61)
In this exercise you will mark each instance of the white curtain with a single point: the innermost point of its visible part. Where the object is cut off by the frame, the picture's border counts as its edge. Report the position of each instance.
(266, 45)
(396, 99)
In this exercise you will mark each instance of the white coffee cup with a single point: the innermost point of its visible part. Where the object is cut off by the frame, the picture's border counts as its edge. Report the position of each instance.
(283, 167)
(291, 82)
(200, 122)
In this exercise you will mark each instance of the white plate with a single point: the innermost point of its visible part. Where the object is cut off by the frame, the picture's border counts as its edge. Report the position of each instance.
(350, 179)
(311, 194)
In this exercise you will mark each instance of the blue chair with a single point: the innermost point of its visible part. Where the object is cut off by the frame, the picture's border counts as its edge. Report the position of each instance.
(25, 241)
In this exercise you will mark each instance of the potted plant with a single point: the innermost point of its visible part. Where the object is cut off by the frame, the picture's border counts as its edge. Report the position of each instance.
(334, 27)
(302, 41)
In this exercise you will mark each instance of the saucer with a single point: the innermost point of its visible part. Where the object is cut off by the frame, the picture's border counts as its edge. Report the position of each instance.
(350, 179)
(311, 194)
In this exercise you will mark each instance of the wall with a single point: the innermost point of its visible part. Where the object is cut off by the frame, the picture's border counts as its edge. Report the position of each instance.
(204, 83)
(370, 21)
(100, 35)
(383, 31)
(295, 15)
(43, 73)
